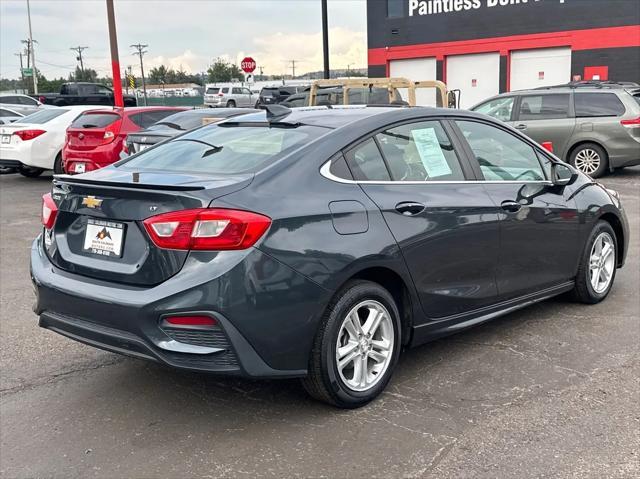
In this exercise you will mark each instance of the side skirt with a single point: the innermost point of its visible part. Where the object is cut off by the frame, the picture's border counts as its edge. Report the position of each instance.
(454, 324)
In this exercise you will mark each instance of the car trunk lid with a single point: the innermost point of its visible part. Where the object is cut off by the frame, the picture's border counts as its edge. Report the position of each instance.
(99, 232)
(92, 129)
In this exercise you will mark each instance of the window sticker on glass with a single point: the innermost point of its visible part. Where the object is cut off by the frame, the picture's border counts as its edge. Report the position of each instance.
(431, 154)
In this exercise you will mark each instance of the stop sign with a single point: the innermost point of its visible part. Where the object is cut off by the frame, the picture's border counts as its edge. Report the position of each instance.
(248, 65)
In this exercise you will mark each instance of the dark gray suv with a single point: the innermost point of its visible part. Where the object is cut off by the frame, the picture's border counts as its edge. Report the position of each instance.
(596, 128)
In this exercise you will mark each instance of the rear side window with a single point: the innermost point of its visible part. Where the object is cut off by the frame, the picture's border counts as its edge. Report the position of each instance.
(26, 100)
(544, 107)
(366, 163)
(501, 155)
(95, 120)
(225, 150)
(147, 118)
(598, 104)
(498, 108)
(43, 116)
(224, 90)
(12, 100)
(420, 152)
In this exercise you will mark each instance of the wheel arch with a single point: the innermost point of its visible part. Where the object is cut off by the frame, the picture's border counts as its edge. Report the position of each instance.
(397, 287)
(580, 142)
(618, 229)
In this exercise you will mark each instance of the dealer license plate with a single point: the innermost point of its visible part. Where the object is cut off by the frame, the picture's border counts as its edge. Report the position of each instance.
(6, 139)
(104, 237)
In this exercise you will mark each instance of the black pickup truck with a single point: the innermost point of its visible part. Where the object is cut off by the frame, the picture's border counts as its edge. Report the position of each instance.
(82, 93)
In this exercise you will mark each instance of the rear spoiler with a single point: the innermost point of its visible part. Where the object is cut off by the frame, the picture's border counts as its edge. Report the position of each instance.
(58, 180)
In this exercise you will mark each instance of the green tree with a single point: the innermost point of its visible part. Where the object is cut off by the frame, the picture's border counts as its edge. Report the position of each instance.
(222, 71)
(88, 75)
(158, 74)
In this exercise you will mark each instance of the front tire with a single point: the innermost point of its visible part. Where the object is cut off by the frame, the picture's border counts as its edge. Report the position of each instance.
(598, 264)
(591, 159)
(356, 347)
(29, 172)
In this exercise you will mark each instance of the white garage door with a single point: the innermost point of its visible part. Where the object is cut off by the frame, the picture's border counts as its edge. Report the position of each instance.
(416, 69)
(476, 76)
(543, 67)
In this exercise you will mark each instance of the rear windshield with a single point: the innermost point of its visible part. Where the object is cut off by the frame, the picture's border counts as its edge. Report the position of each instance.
(43, 116)
(212, 91)
(95, 120)
(269, 91)
(224, 150)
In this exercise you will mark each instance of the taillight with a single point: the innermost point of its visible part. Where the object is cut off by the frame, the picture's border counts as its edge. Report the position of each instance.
(635, 123)
(26, 135)
(111, 131)
(49, 211)
(220, 94)
(548, 145)
(207, 229)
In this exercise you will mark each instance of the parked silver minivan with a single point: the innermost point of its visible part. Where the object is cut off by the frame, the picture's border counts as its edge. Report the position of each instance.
(595, 127)
(229, 95)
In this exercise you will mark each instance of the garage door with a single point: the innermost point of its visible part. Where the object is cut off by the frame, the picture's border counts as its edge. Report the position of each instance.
(542, 67)
(476, 76)
(416, 69)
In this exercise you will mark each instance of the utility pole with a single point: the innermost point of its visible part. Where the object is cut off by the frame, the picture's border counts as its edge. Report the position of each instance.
(21, 72)
(348, 69)
(325, 39)
(33, 53)
(140, 48)
(115, 60)
(79, 57)
(293, 68)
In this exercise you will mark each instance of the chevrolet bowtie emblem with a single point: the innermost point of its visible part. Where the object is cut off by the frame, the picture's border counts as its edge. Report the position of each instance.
(91, 202)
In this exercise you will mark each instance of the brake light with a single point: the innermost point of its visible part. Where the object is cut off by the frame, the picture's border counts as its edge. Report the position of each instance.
(548, 145)
(111, 131)
(49, 211)
(189, 321)
(220, 94)
(26, 135)
(207, 229)
(635, 123)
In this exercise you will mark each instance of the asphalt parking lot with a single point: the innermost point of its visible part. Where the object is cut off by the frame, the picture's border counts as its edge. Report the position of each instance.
(550, 391)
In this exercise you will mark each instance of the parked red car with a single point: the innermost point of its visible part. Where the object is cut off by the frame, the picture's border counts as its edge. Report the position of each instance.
(95, 138)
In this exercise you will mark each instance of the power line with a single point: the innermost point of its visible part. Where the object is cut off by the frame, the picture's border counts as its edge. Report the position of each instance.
(141, 51)
(79, 57)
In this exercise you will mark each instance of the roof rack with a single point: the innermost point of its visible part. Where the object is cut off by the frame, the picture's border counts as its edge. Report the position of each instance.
(592, 84)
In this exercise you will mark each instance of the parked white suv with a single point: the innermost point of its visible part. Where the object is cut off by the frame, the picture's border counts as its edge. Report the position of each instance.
(229, 95)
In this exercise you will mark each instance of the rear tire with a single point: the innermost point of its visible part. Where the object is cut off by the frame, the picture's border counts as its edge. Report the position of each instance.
(597, 269)
(356, 347)
(231, 104)
(591, 159)
(30, 172)
(58, 169)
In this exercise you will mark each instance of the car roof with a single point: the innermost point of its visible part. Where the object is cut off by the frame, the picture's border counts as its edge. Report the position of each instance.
(337, 116)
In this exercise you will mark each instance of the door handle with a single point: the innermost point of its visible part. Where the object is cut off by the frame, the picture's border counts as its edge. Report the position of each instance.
(511, 206)
(521, 126)
(410, 208)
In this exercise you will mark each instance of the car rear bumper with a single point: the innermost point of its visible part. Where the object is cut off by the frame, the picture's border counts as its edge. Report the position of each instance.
(264, 329)
(96, 158)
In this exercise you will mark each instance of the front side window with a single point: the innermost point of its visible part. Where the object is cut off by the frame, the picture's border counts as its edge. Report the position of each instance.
(224, 150)
(420, 152)
(598, 104)
(366, 163)
(501, 155)
(26, 100)
(498, 108)
(544, 107)
(103, 90)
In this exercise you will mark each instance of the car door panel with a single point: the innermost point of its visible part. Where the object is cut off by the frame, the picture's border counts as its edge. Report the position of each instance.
(447, 228)
(547, 118)
(538, 220)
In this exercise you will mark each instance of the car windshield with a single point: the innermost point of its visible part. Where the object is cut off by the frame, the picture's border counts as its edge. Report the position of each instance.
(224, 150)
(43, 116)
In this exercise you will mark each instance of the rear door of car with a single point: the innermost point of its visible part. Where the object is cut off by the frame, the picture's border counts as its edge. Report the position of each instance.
(446, 226)
(547, 117)
(538, 221)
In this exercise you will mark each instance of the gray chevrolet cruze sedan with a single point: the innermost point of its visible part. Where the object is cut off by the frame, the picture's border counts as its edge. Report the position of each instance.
(319, 242)
(595, 127)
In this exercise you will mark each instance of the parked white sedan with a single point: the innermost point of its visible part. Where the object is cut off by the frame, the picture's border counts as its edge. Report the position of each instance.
(34, 144)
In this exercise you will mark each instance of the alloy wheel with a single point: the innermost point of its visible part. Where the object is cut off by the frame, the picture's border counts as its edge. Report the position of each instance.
(365, 345)
(602, 262)
(588, 161)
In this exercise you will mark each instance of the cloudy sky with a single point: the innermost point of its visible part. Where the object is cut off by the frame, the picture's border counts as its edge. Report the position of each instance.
(184, 33)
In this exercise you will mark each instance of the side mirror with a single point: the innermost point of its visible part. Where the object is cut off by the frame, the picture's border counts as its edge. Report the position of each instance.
(562, 175)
